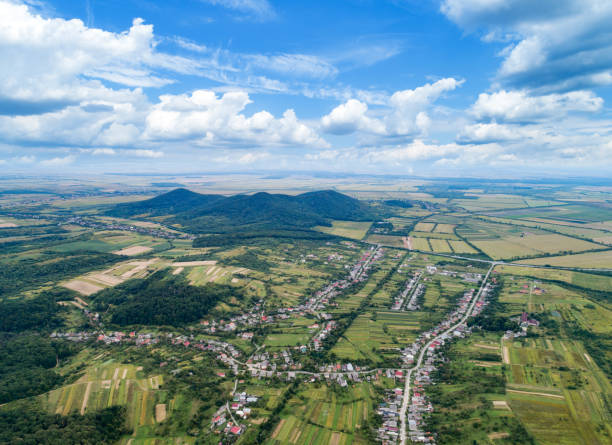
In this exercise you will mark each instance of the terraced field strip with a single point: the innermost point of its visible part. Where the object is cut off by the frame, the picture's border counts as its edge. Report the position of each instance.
(541, 394)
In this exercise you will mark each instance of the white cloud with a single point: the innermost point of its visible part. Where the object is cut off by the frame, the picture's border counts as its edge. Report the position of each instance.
(417, 150)
(404, 114)
(350, 117)
(555, 45)
(259, 9)
(103, 151)
(209, 120)
(144, 153)
(518, 106)
(292, 64)
(27, 159)
(118, 134)
(58, 161)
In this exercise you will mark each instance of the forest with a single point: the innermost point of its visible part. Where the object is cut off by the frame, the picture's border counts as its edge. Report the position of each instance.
(161, 299)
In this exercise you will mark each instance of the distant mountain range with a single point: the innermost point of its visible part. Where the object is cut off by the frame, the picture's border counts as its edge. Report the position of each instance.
(261, 211)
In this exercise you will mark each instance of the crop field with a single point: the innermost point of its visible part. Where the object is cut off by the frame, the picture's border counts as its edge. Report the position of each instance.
(212, 273)
(601, 259)
(445, 228)
(543, 392)
(516, 246)
(111, 384)
(371, 337)
(580, 279)
(93, 282)
(424, 227)
(574, 213)
(387, 240)
(440, 246)
(324, 417)
(348, 229)
(600, 235)
(499, 201)
(461, 247)
(421, 244)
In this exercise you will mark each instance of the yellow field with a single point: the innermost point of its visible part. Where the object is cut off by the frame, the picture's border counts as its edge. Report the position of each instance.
(420, 244)
(584, 260)
(386, 240)
(440, 245)
(347, 229)
(445, 228)
(531, 245)
(461, 247)
(424, 227)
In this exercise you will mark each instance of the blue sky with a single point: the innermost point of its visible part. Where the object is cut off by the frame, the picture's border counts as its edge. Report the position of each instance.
(432, 87)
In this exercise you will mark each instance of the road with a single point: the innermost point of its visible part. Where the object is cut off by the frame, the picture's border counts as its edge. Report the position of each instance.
(419, 361)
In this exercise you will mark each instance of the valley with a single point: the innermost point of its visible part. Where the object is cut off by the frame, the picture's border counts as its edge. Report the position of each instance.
(348, 316)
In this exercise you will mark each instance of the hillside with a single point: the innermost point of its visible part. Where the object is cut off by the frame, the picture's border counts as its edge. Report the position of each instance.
(173, 202)
(214, 213)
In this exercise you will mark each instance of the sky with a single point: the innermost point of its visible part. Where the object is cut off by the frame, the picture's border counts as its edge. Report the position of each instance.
(486, 88)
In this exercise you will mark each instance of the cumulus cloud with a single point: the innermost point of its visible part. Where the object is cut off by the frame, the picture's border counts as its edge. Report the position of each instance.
(56, 61)
(554, 45)
(404, 113)
(350, 117)
(520, 106)
(209, 120)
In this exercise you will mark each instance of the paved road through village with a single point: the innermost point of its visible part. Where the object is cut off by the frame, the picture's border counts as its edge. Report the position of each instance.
(419, 361)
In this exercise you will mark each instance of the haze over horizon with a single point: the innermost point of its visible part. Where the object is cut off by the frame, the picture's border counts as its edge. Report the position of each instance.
(431, 88)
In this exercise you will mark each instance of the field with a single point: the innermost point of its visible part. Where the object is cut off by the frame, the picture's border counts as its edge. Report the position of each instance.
(325, 417)
(375, 337)
(552, 385)
(95, 281)
(586, 260)
(543, 392)
(347, 229)
(112, 383)
(580, 279)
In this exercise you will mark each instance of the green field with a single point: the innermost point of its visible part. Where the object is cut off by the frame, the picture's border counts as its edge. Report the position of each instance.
(320, 416)
(586, 260)
(348, 229)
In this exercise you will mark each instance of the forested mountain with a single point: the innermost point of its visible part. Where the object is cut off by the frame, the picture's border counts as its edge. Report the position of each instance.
(176, 201)
(213, 213)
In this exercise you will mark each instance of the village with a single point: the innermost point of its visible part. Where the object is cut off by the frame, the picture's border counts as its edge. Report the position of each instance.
(285, 364)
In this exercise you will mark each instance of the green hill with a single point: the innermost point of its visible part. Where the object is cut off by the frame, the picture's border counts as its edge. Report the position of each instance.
(171, 203)
(261, 211)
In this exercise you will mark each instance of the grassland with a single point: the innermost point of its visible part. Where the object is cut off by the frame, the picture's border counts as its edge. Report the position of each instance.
(585, 260)
(348, 229)
(580, 279)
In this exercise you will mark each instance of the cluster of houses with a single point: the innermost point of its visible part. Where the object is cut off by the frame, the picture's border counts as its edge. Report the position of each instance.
(389, 411)
(419, 405)
(237, 407)
(524, 321)
(399, 299)
(413, 304)
(322, 334)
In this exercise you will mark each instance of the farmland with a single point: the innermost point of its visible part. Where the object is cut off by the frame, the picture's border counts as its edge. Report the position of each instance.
(287, 335)
(327, 417)
(347, 229)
